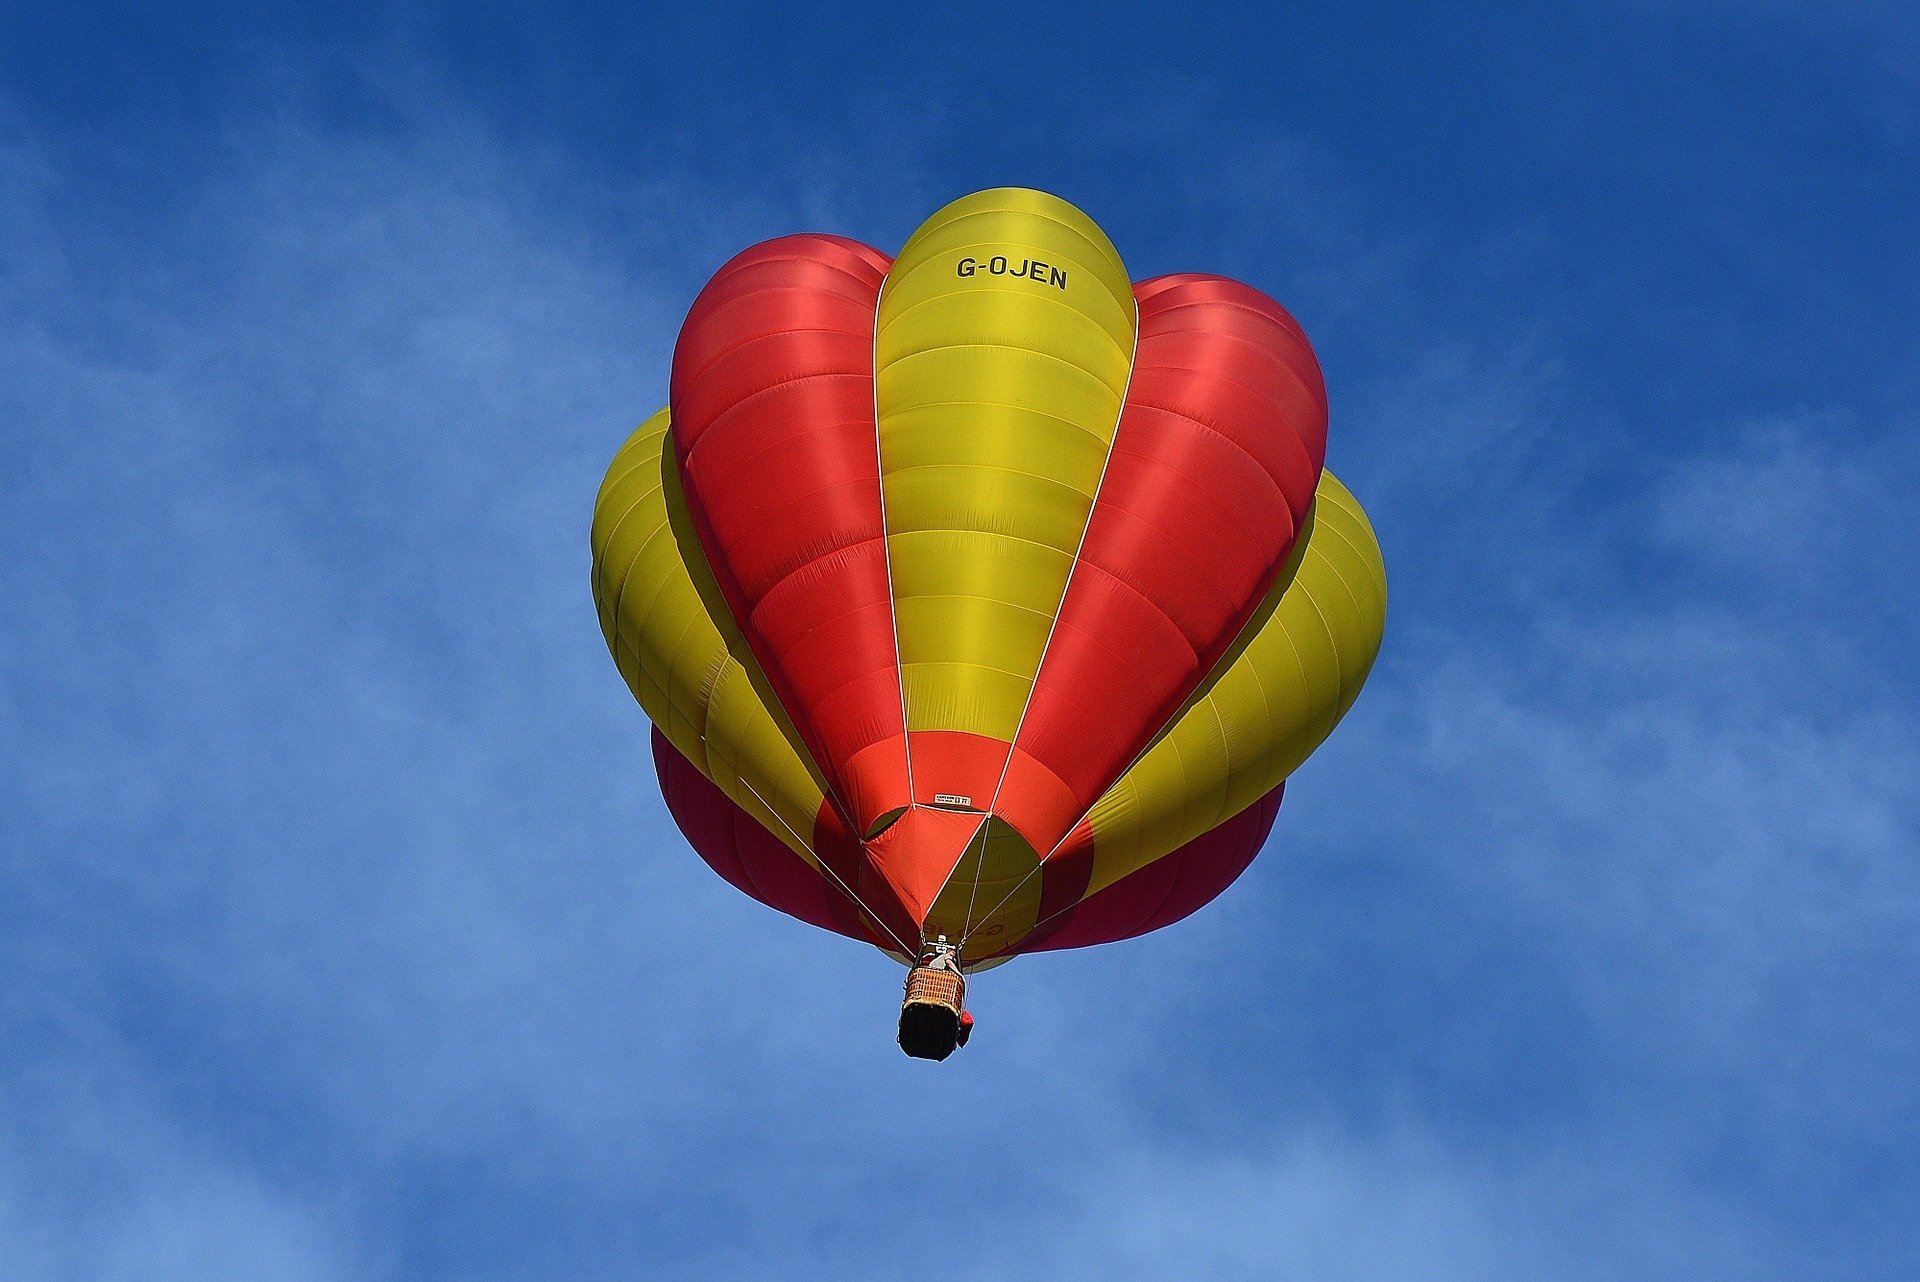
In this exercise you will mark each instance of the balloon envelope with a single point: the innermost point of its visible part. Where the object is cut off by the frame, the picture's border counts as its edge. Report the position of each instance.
(983, 592)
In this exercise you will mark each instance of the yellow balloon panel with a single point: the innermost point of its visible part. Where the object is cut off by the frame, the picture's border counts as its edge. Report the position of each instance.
(1003, 345)
(993, 896)
(680, 651)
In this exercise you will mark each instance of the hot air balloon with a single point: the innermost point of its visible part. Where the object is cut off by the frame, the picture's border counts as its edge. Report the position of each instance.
(982, 600)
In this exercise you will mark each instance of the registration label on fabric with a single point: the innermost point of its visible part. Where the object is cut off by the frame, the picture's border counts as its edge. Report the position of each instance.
(1026, 269)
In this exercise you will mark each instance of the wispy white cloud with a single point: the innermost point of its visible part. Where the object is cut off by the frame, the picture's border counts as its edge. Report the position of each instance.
(97, 1183)
(1396, 1205)
(1688, 782)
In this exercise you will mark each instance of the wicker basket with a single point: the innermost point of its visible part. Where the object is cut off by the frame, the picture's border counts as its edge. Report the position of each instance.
(930, 1016)
(936, 987)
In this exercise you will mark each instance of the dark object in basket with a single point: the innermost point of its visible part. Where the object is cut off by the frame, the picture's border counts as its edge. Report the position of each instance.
(930, 1016)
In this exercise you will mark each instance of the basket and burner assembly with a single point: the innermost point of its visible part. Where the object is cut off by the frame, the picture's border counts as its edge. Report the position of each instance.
(933, 1016)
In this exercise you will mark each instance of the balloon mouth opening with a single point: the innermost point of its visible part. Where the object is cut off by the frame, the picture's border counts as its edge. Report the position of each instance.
(915, 853)
(884, 822)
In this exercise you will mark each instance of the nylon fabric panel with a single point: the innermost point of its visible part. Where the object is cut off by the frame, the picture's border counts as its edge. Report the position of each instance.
(1274, 697)
(1004, 341)
(1213, 470)
(685, 661)
(773, 422)
(1165, 891)
(749, 857)
(994, 893)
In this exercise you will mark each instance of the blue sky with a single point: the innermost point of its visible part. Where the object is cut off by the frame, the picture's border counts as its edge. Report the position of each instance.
(345, 936)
